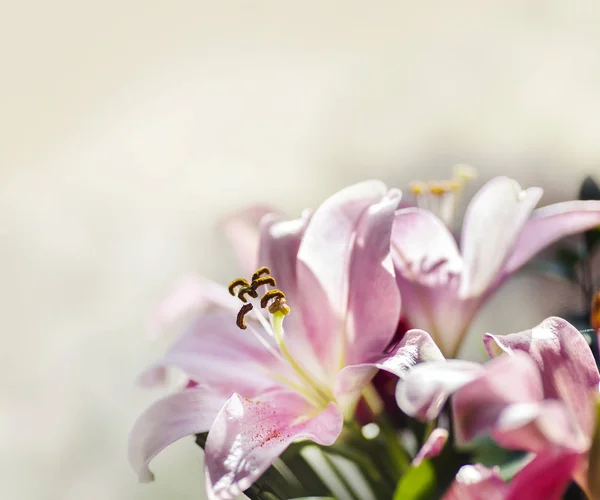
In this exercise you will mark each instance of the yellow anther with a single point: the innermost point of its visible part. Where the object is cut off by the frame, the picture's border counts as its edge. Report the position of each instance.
(437, 189)
(417, 187)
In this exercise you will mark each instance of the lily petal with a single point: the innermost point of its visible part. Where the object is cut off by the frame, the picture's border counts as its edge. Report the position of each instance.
(248, 435)
(426, 387)
(373, 297)
(324, 281)
(432, 447)
(215, 352)
(428, 267)
(546, 477)
(242, 231)
(425, 251)
(478, 407)
(415, 347)
(168, 420)
(279, 243)
(190, 296)
(567, 365)
(477, 482)
(493, 220)
(548, 225)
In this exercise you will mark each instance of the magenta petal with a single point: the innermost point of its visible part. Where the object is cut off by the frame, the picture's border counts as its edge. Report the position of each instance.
(248, 435)
(477, 482)
(168, 420)
(323, 276)
(432, 447)
(506, 380)
(546, 477)
(548, 225)
(426, 387)
(493, 220)
(242, 230)
(569, 372)
(191, 296)
(415, 347)
(215, 352)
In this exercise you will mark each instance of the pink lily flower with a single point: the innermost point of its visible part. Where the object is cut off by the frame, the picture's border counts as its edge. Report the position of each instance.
(544, 478)
(259, 386)
(442, 286)
(538, 396)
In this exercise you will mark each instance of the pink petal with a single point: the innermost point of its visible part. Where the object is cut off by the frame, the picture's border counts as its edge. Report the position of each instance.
(548, 225)
(537, 427)
(215, 352)
(373, 297)
(168, 420)
(428, 267)
(279, 243)
(432, 447)
(248, 435)
(546, 477)
(415, 347)
(569, 372)
(493, 220)
(425, 251)
(242, 230)
(324, 261)
(438, 310)
(517, 418)
(191, 296)
(477, 482)
(426, 387)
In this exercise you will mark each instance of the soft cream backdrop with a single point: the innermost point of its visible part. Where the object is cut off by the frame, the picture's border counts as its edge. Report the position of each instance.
(128, 127)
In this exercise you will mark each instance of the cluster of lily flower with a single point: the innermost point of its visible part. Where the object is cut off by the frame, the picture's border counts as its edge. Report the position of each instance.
(282, 367)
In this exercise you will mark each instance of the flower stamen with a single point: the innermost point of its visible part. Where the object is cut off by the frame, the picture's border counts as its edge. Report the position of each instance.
(259, 272)
(278, 303)
(238, 282)
(246, 308)
(267, 280)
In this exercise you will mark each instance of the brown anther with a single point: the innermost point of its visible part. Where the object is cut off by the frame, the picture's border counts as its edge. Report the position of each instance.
(259, 272)
(249, 290)
(237, 283)
(267, 280)
(271, 295)
(246, 308)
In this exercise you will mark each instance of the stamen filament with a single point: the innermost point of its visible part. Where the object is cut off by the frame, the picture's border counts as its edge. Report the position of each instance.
(324, 395)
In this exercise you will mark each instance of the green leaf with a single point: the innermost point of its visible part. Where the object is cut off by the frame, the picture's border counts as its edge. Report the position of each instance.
(488, 453)
(417, 483)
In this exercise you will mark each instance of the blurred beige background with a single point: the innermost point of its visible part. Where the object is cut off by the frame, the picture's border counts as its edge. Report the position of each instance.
(128, 128)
